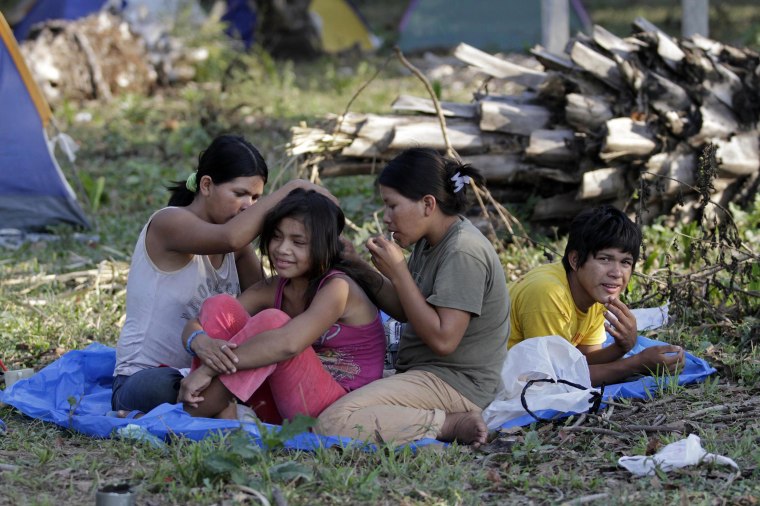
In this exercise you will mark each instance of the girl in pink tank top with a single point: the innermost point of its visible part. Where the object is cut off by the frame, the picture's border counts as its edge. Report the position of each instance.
(315, 333)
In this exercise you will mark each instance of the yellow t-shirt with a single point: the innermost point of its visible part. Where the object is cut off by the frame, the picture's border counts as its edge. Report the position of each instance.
(542, 305)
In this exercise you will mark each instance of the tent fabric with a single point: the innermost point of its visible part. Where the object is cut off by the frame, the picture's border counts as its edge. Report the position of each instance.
(43, 10)
(507, 25)
(34, 192)
(340, 25)
(75, 392)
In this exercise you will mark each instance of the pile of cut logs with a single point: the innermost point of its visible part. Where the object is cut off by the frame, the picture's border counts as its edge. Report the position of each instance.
(585, 127)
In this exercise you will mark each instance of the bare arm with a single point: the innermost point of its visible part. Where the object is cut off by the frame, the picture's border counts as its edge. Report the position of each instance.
(248, 267)
(384, 293)
(296, 335)
(441, 329)
(653, 360)
(179, 230)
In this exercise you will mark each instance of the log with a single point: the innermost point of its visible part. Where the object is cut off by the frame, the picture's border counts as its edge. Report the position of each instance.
(334, 168)
(375, 133)
(665, 95)
(553, 61)
(520, 119)
(679, 166)
(587, 113)
(559, 207)
(667, 49)
(553, 147)
(510, 169)
(718, 122)
(596, 64)
(464, 136)
(631, 73)
(723, 84)
(613, 43)
(497, 67)
(425, 105)
(350, 123)
(603, 183)
(738, 156)
(626, 137)
(366, 148)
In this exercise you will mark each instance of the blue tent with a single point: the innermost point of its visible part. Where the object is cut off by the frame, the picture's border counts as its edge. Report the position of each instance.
(34, 193)
(42, 10)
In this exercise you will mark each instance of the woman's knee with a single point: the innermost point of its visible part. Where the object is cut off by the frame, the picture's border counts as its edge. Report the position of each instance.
(271, 317)
(222, 316)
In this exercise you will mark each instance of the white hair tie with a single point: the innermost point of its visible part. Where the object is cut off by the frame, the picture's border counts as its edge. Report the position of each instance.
(459, 181)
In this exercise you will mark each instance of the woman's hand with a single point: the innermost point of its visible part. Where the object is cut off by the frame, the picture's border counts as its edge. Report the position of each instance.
(387, 256)
(193, 385)
(308, 185)
(216, 354)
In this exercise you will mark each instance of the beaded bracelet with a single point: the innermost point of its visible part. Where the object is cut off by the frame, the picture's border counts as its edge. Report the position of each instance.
(190, 341)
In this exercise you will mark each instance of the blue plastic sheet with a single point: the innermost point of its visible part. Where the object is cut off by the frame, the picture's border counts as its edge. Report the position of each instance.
(75, 392)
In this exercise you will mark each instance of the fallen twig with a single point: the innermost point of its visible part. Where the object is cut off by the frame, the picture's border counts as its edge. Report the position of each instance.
(258, 495)
(586, 499)
(596, 430)
(652, 428)
(696, 414)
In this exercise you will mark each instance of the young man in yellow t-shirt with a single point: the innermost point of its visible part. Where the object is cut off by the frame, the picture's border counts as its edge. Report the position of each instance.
(579, 298)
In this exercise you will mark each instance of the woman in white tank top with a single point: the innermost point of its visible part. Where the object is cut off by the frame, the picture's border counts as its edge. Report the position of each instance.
(196, 247)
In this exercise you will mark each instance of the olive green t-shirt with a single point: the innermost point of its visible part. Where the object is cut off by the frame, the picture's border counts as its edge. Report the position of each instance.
(462, 272)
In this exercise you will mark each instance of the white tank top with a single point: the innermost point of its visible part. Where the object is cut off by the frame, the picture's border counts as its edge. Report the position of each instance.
(159, 303)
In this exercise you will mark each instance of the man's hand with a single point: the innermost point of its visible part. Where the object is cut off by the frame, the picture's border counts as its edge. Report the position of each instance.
(621, 324)
(658, 359)
(216, 354)
(193, 385)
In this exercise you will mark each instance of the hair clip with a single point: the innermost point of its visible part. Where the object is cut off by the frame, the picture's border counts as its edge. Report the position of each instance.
(191, 183)
(459, 181)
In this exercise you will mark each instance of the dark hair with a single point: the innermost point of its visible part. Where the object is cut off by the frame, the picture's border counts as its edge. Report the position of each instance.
(599, 228)
(417, 172)
(227, 157)
(324, 222)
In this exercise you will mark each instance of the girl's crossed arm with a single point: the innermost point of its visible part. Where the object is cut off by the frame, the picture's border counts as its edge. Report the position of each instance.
(300, 332)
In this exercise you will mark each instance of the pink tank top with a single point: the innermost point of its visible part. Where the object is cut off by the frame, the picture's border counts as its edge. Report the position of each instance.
(353, 354)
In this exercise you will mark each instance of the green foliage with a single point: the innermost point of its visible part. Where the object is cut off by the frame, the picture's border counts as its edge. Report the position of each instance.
(704, 268)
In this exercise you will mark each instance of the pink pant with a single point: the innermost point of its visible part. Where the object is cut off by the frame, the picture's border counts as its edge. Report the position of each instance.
(298, 385)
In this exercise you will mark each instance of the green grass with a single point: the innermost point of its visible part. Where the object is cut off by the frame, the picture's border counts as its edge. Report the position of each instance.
(139, 144)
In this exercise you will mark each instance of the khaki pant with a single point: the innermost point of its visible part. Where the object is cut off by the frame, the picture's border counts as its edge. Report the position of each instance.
(401, 408)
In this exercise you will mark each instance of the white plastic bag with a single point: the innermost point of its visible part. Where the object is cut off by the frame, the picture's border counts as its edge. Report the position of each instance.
(549, 357)
(686, 452)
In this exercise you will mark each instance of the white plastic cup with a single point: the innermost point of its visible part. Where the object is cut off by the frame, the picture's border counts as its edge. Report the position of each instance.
(115, 495)
(12, 377)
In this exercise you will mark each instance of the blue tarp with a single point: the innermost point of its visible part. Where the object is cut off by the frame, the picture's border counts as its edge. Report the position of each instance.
(75, 392)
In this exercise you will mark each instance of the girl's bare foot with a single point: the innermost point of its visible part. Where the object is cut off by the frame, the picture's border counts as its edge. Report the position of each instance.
(467, 428)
